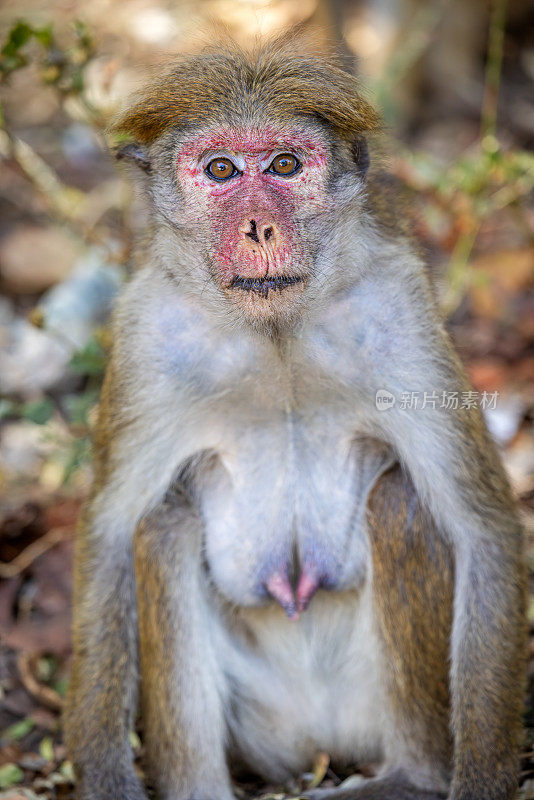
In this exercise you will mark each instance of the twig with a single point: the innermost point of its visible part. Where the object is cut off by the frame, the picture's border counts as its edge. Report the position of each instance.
(33, 551)
(43, 694)
(411, 46)
(458, 274)
(64, 201)
(321, 763)
(488, 124)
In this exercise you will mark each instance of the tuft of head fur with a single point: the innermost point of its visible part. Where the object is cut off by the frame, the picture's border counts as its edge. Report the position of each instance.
(230, 84)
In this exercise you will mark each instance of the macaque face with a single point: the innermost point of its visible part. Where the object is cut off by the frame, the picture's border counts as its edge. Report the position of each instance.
(255, 195)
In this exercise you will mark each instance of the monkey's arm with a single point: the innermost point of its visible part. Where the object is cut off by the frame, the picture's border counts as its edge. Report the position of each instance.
(102, 695)
(136, 457)
(457, 472)
(102, 699)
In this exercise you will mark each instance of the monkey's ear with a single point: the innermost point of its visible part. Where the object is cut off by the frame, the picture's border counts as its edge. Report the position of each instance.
(360, 154)
(134, 154)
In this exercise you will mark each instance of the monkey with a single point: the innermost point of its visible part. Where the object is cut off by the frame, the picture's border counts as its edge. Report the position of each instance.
(272, 563)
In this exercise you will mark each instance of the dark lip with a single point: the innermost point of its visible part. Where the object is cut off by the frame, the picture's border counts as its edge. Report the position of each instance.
(263, 286)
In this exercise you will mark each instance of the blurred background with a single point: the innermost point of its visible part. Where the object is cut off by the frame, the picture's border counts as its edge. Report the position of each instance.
(454, 80)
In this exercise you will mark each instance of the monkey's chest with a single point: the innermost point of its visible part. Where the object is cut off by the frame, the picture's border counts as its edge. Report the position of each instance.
(284, 513)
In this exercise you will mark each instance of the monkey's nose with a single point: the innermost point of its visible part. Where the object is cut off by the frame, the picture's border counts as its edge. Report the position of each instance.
(259, 232)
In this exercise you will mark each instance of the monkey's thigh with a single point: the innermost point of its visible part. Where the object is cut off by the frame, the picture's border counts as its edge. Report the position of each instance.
(412, 587)
(182, 709)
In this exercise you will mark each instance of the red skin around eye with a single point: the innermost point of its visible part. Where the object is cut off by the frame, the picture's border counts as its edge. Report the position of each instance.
(225, 207)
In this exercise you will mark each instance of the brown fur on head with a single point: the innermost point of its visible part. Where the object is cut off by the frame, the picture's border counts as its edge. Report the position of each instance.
(229, 82)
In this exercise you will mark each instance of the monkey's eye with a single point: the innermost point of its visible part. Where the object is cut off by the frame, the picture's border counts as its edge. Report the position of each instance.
(221, 169)
(285, 164)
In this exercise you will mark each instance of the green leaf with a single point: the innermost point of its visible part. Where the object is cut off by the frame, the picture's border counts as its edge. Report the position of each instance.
(61, 686)
(82, 32)
(77, 80)
(38, 411)
(80, 453)
(44, 35)
(19, 34)
(46, 748)
(10, 774)
(91, 360)
(135, 741)
(46, 667)
(67, 771)
(11, 63)
(7, 408)
(79, 406)
(18, 730)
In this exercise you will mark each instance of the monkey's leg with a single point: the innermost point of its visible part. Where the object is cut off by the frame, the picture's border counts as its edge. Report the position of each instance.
(181, 680)
(102, 696)
(413, 587)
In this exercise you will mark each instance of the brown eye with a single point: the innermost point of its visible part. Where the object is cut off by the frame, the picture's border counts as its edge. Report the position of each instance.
(220, 169)
(284, 164)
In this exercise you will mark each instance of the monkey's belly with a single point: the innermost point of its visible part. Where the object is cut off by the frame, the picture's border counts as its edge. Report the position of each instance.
(284, 515)
(300, 687)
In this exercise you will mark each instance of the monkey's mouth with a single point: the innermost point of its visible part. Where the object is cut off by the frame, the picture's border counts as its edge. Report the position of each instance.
(263, 286)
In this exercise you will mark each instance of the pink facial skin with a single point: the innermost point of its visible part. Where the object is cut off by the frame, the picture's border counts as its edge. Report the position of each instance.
(272, 201)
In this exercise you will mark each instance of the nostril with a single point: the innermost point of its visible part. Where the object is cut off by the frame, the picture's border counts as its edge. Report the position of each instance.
(253, 232)
(268, 232)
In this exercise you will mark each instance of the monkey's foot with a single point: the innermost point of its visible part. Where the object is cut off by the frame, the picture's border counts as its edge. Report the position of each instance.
(105, 787)
(357, 788)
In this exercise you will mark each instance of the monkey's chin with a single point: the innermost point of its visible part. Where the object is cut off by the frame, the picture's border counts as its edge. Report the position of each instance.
(268, 301)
